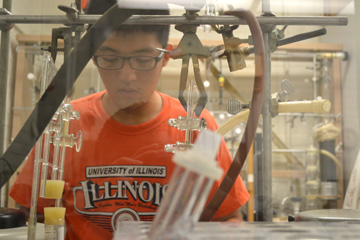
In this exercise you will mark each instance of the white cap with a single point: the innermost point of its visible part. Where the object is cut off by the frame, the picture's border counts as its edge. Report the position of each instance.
(202, 157)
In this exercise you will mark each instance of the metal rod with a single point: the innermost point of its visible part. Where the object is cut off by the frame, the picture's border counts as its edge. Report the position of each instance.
(4, 105)
(266, 166)
(267, 161)
(297, 38)
(4, 63)
(166, 20)
(265, 6)
(315, 76)
(301, 37)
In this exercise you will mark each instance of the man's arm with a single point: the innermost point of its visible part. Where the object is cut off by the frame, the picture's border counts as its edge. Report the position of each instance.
(235, 216)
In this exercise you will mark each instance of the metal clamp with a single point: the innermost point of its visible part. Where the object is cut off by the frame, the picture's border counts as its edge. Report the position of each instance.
(4, 26)
(190, 46)
(287, 89)
(234, 54)
(71, 12)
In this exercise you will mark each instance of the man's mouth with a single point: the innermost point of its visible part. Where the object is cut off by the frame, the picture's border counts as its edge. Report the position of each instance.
(127, 90)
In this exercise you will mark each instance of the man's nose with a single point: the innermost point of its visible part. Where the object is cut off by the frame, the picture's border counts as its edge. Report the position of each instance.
(126, 73)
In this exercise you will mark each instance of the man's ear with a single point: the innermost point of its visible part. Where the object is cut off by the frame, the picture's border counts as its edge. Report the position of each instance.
(169, 48)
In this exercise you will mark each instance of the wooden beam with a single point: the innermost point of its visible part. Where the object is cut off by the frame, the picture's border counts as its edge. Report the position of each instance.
(28, 39)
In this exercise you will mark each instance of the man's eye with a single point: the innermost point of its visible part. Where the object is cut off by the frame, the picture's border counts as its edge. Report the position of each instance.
(110, 59)
(143, 59)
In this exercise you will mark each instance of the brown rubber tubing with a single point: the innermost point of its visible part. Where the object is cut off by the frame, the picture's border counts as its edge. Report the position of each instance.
(250, 129)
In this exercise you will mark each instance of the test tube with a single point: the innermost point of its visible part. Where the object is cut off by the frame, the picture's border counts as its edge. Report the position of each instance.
(54, 223)
(34, 191)
(189, 187)
(41, 148)
(312, 187)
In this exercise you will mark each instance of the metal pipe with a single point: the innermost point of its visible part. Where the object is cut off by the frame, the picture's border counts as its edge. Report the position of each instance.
(265, 6)
(297, 38)
(267, 161)
(4, 64)
(266, 166)
(166, 20)
(315, 76)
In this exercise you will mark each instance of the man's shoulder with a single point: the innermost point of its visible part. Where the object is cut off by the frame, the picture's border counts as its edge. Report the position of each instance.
(167, 97)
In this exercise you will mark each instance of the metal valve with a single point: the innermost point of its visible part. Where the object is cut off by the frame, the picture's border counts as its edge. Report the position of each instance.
(182, 123)
(287, 89)
(75, 115)
(67, 112)
(234, 106)
(56, 124)
(179, 146)
(55, 139)
(71, 140)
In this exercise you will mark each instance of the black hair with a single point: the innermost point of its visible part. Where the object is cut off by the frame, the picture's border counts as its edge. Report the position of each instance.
(161, 31)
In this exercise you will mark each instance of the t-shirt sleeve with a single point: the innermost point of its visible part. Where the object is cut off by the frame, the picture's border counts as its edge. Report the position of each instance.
(21, 190)
(238, 194)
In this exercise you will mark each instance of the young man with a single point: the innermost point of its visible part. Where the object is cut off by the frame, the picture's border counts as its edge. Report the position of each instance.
(122, 171)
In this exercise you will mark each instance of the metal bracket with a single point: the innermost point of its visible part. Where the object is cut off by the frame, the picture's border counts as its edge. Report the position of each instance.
(266, 28)
(71, 12)
(234, 54)
(190, 46)
(4, 26)
(66, 33)
(275, 36)
(287, 89)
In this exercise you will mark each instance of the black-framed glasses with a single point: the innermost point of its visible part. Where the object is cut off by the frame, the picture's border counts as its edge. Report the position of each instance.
(113, 62)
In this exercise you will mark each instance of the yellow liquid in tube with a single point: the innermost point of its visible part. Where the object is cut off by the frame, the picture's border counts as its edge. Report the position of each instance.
(54, 215)
(54, 189)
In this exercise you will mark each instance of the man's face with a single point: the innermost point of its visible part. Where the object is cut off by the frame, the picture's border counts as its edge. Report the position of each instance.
(128, 87)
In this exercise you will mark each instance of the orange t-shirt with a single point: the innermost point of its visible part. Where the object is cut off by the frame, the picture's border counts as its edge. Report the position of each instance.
(121, 172)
